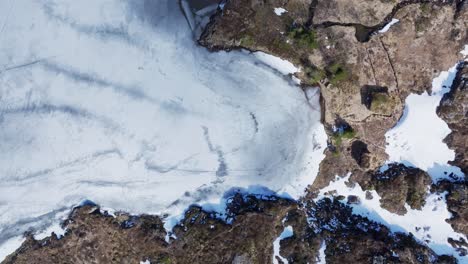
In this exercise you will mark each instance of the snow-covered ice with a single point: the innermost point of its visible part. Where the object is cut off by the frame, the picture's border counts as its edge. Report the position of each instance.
(279, 11)
(428, 224)
(10, 246)
(389, 25)
(287, 232)
(113, 102)
(417, 139)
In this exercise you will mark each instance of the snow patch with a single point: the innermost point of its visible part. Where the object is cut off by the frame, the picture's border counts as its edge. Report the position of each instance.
(428, 224)
(279, 11)
(287, 232)
(464, 52)
(417, 138)
(283, 66)
(389, 25)
(321, 258)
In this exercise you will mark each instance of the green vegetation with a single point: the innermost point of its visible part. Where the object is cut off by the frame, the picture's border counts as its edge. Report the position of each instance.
(379, 101)
(281, 46)
(338, 73)
(455, 196)
(415, 199)
(303, 37)
(165, 260)
(338, 137)
(247, 41)
(315, 75)
(425, 8)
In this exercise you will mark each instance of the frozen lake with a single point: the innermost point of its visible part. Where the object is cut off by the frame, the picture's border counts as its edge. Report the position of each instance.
(112, 101)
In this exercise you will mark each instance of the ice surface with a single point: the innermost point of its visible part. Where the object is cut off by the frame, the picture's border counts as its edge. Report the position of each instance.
(287, 232)
(417, 139)
(428, 225)
(10, 246)
(389, 25)
(113, 102)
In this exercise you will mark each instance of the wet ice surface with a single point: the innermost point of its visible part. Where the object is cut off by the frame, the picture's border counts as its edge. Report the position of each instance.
(114, 102)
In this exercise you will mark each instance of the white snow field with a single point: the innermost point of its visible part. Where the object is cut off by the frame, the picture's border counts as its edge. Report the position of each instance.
(417, 139)
(113, 102)
(428, 225)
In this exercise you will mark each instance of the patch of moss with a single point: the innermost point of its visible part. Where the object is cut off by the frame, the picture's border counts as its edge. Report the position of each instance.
(315, 75)
(338, 73)
(415, 199)
(338, 137)
(425, 8)
(165, 260)
(336, 152)
(303, 37)
(281, 46)
(455, 196)
(379, 101)
(247, 41)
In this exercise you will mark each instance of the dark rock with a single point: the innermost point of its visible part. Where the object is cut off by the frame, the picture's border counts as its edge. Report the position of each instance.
(457, 202)
(399, 185)
(453, 109)
(369, 92)
(353, 199)
(359, 152)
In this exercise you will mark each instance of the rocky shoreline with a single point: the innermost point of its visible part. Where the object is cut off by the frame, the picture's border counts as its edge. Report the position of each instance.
(95, 236)
(365, 77)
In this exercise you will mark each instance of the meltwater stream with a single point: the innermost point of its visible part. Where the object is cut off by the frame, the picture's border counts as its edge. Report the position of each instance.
(113, 101)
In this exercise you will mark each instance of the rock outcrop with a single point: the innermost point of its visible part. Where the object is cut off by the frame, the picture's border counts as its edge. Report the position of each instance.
(96, 237)
(453, 109)
(338, 47)
(400, 185)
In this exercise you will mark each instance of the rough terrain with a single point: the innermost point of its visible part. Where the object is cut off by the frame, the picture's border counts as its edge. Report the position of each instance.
(364, 77)
(453, 109)
(96, 237)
